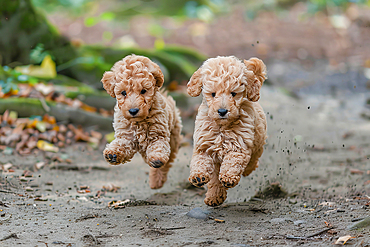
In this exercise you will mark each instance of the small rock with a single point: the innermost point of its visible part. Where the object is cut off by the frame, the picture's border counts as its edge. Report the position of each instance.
(82, 198)
(299, 222)
(279, 220)
(198, 213)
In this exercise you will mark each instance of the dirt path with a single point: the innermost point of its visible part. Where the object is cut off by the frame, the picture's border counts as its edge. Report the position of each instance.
(318, 150)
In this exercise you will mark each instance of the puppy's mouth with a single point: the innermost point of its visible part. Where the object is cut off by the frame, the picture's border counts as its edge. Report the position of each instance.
(221, 118)
(228, 118)
(135, 118)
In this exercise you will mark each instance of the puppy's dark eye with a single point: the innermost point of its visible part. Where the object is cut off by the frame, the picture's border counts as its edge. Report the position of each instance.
(143, 91)
(233, 94)
(124, 93)
(213, 95)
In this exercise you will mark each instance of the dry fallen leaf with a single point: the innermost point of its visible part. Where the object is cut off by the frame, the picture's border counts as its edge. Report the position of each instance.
(83, 191)
(96, 134)
(46, 146)
(343, 240)
(25, 134)
(111, 188)
(118, 204)
(29, 189)
(99, 193)
(5, 116)
(6, 167)
(356, 171)
(40, 199)
(46, 69)
(39, 165)
(88, 108)
(328, 224)
(27, 174)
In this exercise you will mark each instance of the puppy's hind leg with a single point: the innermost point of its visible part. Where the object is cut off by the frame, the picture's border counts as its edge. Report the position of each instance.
(158, 176)
(216, 193)
(253, 163)
(175, 141)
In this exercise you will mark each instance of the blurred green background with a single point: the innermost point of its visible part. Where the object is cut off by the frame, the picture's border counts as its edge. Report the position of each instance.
(77, 40)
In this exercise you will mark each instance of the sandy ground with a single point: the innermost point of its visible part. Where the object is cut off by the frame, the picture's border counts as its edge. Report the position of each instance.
(318, 150)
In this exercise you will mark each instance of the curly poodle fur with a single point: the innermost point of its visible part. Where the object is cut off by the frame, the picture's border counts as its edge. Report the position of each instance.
(230, 128)
(145, 120)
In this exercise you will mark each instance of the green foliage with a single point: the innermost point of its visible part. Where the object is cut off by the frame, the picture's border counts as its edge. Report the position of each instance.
(38, 54)
(201, 9)
(313, 6)
(9, 79)
(322, 5)
(177, 63)
(74, 7)
(179, 8)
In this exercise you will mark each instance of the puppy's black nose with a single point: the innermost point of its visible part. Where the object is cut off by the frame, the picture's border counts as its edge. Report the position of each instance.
(133, 111)
(222, 112)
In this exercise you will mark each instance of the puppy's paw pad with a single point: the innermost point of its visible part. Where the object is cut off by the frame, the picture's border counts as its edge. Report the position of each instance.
(199, 180)
(156, 163)
(215, 201)
(112, 158)
(229, 182)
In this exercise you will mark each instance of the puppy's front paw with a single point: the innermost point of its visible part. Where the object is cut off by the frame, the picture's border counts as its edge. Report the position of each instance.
(112, 157)
(156, 163)
(198, 179)
(229, 181)
(216, 200)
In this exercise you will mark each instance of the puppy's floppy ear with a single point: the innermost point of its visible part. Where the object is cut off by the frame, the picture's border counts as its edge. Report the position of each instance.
(156, 72)
(256, 75)
(195, 84)
(109, 83)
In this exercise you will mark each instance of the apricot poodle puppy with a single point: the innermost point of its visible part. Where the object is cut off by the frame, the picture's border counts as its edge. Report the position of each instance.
(145, 120)
(230, 128)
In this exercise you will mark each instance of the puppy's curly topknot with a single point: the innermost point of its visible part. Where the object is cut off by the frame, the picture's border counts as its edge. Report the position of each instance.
(230, 128)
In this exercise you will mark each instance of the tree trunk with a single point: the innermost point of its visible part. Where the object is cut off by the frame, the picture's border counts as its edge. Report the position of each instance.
(22, 28)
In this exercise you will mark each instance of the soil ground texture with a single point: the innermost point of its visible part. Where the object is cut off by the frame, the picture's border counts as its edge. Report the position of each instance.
(318, 152)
